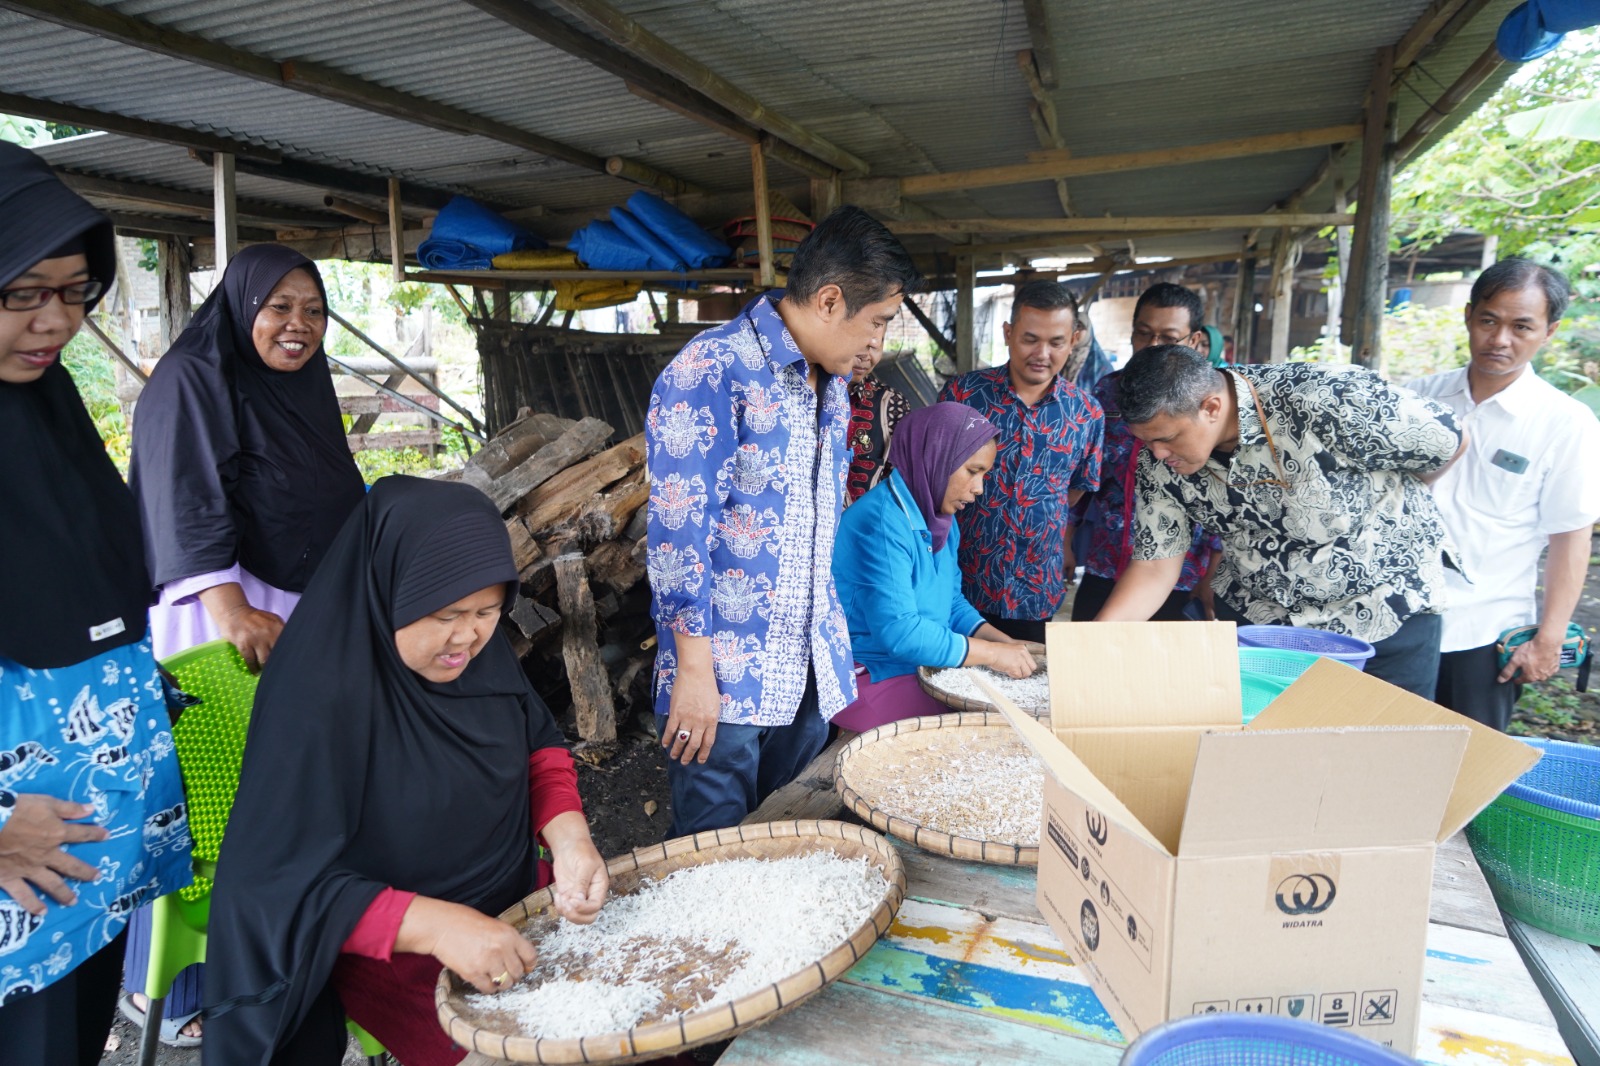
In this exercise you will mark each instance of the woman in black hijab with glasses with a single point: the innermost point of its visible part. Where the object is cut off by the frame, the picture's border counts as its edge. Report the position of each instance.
(397, 772)
(243, 477)
(91, 805)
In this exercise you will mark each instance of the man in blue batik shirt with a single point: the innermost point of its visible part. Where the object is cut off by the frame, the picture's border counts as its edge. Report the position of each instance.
(748, 455)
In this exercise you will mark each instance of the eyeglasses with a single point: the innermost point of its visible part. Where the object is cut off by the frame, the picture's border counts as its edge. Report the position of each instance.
(1144, 338)
(31, 299)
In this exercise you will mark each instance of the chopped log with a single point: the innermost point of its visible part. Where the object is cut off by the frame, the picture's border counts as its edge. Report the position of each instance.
(586, 673)
(613, 565)
(525, 550)
(641, 548)
(515, 443)
(579, 442)
(534, 619)
(564, 494)
(607, 513)
(638, 526)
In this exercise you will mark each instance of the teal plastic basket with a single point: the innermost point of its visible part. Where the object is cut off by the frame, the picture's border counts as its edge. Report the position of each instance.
(1539, 843)
(1265, 672)
(1258, 690)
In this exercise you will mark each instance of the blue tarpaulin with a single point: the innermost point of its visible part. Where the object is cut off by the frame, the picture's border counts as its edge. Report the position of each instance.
(467, 236)
(661, 256)
(1536, 27)
(602, 246)
(678, 231)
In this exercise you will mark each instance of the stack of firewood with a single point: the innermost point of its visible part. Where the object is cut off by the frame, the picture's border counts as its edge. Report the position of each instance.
(575, 510)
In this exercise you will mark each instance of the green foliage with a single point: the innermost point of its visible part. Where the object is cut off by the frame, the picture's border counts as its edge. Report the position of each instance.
(95, 376)
(24, 131)
(1529, 193)
(1553, 703)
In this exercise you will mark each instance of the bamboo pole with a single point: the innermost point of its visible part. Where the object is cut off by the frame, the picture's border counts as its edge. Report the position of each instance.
(225, 208)
(1152, 223)
(397, 232)
(966, 327)
(768, 275)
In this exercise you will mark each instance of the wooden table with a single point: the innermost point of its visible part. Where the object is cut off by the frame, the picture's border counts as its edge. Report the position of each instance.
(969, 973)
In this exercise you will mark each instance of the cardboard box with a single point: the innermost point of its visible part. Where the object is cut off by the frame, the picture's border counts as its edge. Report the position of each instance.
(1198, 865)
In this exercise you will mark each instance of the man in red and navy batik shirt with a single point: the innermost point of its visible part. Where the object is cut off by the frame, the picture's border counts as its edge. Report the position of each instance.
(1013, 539)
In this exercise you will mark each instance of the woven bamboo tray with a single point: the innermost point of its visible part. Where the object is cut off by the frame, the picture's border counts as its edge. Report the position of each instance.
(496, 1035)
(875, 758)
(963, 703)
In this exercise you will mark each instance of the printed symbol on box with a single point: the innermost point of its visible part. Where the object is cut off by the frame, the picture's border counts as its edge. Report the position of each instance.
(1335, 1008)
(1085, 868)
(1295, 1006)
(1105, 893)
(1097, 826)
(1216, 1006)
(1377, 1008)
(1306, 894)
(1089, 923)
(1133, 929)
(1254, 1006)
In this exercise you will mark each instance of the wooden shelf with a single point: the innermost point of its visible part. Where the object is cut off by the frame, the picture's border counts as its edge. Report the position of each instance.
(497, 278)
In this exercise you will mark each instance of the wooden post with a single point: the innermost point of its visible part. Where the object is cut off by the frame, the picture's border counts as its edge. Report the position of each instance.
(1336, 284)
(1244, 328)
(1369, 252)
(758, 172)
(175, 263)
(1285, 255)
(397, 232)
(966, 334)
(225, 206)
(826, 195)
(586, 673)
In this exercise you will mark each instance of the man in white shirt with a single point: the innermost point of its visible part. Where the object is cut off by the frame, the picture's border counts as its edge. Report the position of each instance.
(1530, 476)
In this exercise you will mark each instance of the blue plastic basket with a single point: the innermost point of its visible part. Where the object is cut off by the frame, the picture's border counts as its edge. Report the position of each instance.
(1253, 1040)
(1351, 650)
(1539, 842)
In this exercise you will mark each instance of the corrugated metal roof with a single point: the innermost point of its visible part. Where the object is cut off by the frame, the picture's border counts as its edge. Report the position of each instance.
(910, 86)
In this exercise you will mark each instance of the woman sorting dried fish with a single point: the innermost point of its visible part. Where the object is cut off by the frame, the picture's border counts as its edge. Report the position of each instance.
(894, 563)
(397, 771)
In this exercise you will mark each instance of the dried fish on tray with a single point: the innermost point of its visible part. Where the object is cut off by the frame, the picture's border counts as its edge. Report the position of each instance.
(956, 687)
(689, 949)
(953, 784)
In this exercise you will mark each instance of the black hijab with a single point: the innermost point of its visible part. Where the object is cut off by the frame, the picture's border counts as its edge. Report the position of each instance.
(71, 558)
(234, 461)
(359, 774)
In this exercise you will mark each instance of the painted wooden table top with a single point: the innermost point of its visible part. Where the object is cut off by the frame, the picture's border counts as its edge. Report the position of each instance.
(969, 973)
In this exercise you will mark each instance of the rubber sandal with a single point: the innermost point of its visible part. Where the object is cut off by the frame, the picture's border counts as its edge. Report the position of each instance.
(171, 1028)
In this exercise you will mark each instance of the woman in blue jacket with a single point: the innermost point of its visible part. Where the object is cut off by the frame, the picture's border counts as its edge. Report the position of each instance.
(894, 563)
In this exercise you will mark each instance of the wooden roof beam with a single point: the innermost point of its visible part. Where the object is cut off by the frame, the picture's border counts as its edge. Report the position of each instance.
(299, 75)
(161, 132)
(168, 199)
(325, 178)
(1051, 169)
(639, 42)
(132, 224)
(1044, 50)
(1440, 22)
(1152, 223)
(1471, 79)
(645, 81)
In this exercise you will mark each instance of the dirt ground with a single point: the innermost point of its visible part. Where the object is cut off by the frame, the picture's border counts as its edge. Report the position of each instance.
(617, 792)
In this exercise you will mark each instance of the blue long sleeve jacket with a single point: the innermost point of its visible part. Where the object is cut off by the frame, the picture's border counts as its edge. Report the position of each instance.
(901, 598)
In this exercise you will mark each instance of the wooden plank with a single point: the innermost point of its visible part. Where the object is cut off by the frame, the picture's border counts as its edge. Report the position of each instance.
(401, 438)
(846, 1023)
(966, 322)
(385, 404)
(1008, 891)
(500, 277)
(576, 443)
(1461, 896)
(1044, 49)
(369, 407)
(1568, 975)
(397, 232)
(586, 673)
(1094, 224)
(1479, 972)
(1017, 174)
(998, 967)
(1454, 1036)
(767, 274)
(225, 211)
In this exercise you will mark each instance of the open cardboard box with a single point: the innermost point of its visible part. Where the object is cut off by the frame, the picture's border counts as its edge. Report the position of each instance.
(1198, 865)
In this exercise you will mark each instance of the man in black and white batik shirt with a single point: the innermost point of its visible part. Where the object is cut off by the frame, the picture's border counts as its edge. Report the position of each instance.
(1316, 482)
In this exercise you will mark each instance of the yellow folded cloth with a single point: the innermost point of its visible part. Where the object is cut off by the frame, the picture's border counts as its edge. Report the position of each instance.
(570, 295)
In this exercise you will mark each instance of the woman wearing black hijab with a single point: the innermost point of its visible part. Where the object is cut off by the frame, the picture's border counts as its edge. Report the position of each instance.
(397, 769)
(91, 805)
(243, 477)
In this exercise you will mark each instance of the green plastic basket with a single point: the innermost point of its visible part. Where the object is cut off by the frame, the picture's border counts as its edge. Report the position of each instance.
(1539, 843)
(209, 737)
(1258, 690)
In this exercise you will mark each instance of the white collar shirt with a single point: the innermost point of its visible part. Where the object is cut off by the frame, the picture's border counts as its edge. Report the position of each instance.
(1531, 470)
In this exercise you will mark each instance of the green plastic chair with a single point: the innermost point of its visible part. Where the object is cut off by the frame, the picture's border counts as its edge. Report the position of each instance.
(209, 737)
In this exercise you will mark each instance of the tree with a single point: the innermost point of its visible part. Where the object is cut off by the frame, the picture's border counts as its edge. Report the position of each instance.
(1535, 195)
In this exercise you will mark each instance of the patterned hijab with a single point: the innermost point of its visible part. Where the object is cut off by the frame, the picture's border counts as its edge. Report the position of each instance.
(930, 445)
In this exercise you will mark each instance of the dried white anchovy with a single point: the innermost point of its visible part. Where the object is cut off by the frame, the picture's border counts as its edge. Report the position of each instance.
(1031, 694)
(763, 919)
(969, 790)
